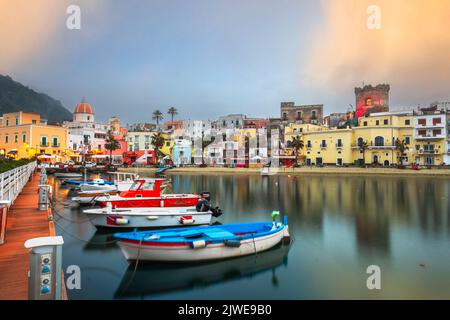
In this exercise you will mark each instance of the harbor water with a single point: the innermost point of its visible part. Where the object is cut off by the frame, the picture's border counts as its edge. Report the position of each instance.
(340, 225)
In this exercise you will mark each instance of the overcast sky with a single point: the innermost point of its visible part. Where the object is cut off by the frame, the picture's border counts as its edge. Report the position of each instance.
(213, 57)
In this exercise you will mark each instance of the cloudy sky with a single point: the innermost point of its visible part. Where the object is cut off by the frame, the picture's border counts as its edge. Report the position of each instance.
(213, 57)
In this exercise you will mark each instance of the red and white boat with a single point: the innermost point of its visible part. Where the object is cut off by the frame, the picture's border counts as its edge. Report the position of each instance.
(148, 193)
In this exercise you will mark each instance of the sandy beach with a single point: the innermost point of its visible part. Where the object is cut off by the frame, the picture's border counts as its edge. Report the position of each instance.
(444, 172)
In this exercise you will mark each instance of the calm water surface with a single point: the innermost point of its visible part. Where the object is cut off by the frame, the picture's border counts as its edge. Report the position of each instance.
(341, 225)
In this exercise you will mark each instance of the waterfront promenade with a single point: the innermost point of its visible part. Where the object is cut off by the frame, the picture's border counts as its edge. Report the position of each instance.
(24, 222)
(305, 170)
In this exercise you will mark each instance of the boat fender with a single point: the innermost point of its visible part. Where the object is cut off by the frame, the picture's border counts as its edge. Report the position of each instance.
(186, 220)
(121, 221)
(233, 243)
(198, 244)
(152, 217)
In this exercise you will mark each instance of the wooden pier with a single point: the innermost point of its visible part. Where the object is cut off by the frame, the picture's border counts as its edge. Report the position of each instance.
(24, 221)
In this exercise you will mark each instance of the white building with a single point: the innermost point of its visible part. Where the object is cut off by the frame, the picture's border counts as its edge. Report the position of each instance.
(430, 136)
(84, 133)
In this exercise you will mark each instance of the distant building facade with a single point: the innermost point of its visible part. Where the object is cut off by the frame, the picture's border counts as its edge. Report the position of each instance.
(290, 113)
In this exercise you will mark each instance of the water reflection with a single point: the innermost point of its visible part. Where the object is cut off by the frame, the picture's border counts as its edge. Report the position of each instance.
(341, 225)
(154, 278)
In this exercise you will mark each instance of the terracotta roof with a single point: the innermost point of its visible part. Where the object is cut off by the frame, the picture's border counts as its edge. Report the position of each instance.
(84, 107)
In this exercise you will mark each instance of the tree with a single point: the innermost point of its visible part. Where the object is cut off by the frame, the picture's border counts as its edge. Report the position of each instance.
(111, 144)
(363, 145)
(157, 143)
(157, 115)
(173, 112)
(297, 144)
(401, 147)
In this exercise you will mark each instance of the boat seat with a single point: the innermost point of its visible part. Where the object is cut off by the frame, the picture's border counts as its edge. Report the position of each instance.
(218, 233)
(190, 233)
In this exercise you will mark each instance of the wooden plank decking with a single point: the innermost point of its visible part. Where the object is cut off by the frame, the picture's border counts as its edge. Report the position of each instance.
(25, 221)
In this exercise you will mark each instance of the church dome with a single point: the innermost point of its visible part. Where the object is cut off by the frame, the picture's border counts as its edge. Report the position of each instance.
(84, 107)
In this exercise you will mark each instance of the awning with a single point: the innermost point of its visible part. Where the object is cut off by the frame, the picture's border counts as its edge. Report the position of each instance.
(13, 152)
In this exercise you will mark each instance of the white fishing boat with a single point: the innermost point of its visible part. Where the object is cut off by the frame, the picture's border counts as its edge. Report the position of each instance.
(90, 196)
(123, 180)
(98, 185)
(202, 243)
(148, 217)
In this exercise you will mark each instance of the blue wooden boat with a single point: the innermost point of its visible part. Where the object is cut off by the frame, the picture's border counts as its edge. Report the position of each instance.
(202, 243)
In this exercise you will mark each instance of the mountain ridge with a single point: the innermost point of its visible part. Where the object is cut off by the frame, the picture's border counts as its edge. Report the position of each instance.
(14, 96)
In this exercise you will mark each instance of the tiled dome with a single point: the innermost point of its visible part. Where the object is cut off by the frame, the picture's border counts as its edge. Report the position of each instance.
(84, 107)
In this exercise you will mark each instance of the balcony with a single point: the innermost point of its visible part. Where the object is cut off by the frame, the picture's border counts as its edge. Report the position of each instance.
(372, 145)
(323, 146)
(44, 144)
(56, 145)
(339, 146)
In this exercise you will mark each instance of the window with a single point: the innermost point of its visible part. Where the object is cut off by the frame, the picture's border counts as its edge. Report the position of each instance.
(436, 132)
(16, 138)
(44, 141)
(365, 123)
(284, 116)
(24, 137)
(422, 133)
(422, 121)
(7, 121)
(148, 185)
(55, 142)
(436, 121)
(17, 120)
(135, 186)
(299, 115)
(89, 118)
(323, 144)
(386, 122)
(6, 139)
(379, 141)
(407, 122)
(360, 141)
(339, 142)
(377, 122)
(313, 114)
(407, 140)
(33, 121)
(308, 144)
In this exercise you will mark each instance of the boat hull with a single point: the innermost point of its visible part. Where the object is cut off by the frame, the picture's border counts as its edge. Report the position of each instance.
(162, 201)
(147, 218)
(148, 251)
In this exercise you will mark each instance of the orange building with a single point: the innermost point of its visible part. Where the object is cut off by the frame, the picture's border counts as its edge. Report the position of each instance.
(25, 134)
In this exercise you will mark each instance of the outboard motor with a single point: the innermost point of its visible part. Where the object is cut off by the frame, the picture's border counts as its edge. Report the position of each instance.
(203, 205)
(206, 195)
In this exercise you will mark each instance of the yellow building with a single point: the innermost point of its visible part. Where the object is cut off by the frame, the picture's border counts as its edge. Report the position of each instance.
(378, 132)
(25, 134)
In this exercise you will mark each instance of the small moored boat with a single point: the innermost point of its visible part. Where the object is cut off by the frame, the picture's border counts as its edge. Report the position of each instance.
(71, 175)
(151, 193)
(155, 217)
(202, 243)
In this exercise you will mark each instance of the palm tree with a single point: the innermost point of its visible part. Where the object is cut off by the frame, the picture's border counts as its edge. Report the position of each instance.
(172, 111)
(157, 142)
(157, 115)
(111, 144)
(297, 143)
(401, 146)
(363, 147)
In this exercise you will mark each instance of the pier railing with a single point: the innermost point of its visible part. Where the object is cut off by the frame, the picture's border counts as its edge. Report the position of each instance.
(13, 181)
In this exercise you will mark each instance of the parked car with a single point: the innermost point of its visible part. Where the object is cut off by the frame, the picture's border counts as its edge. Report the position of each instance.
(89, 164)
